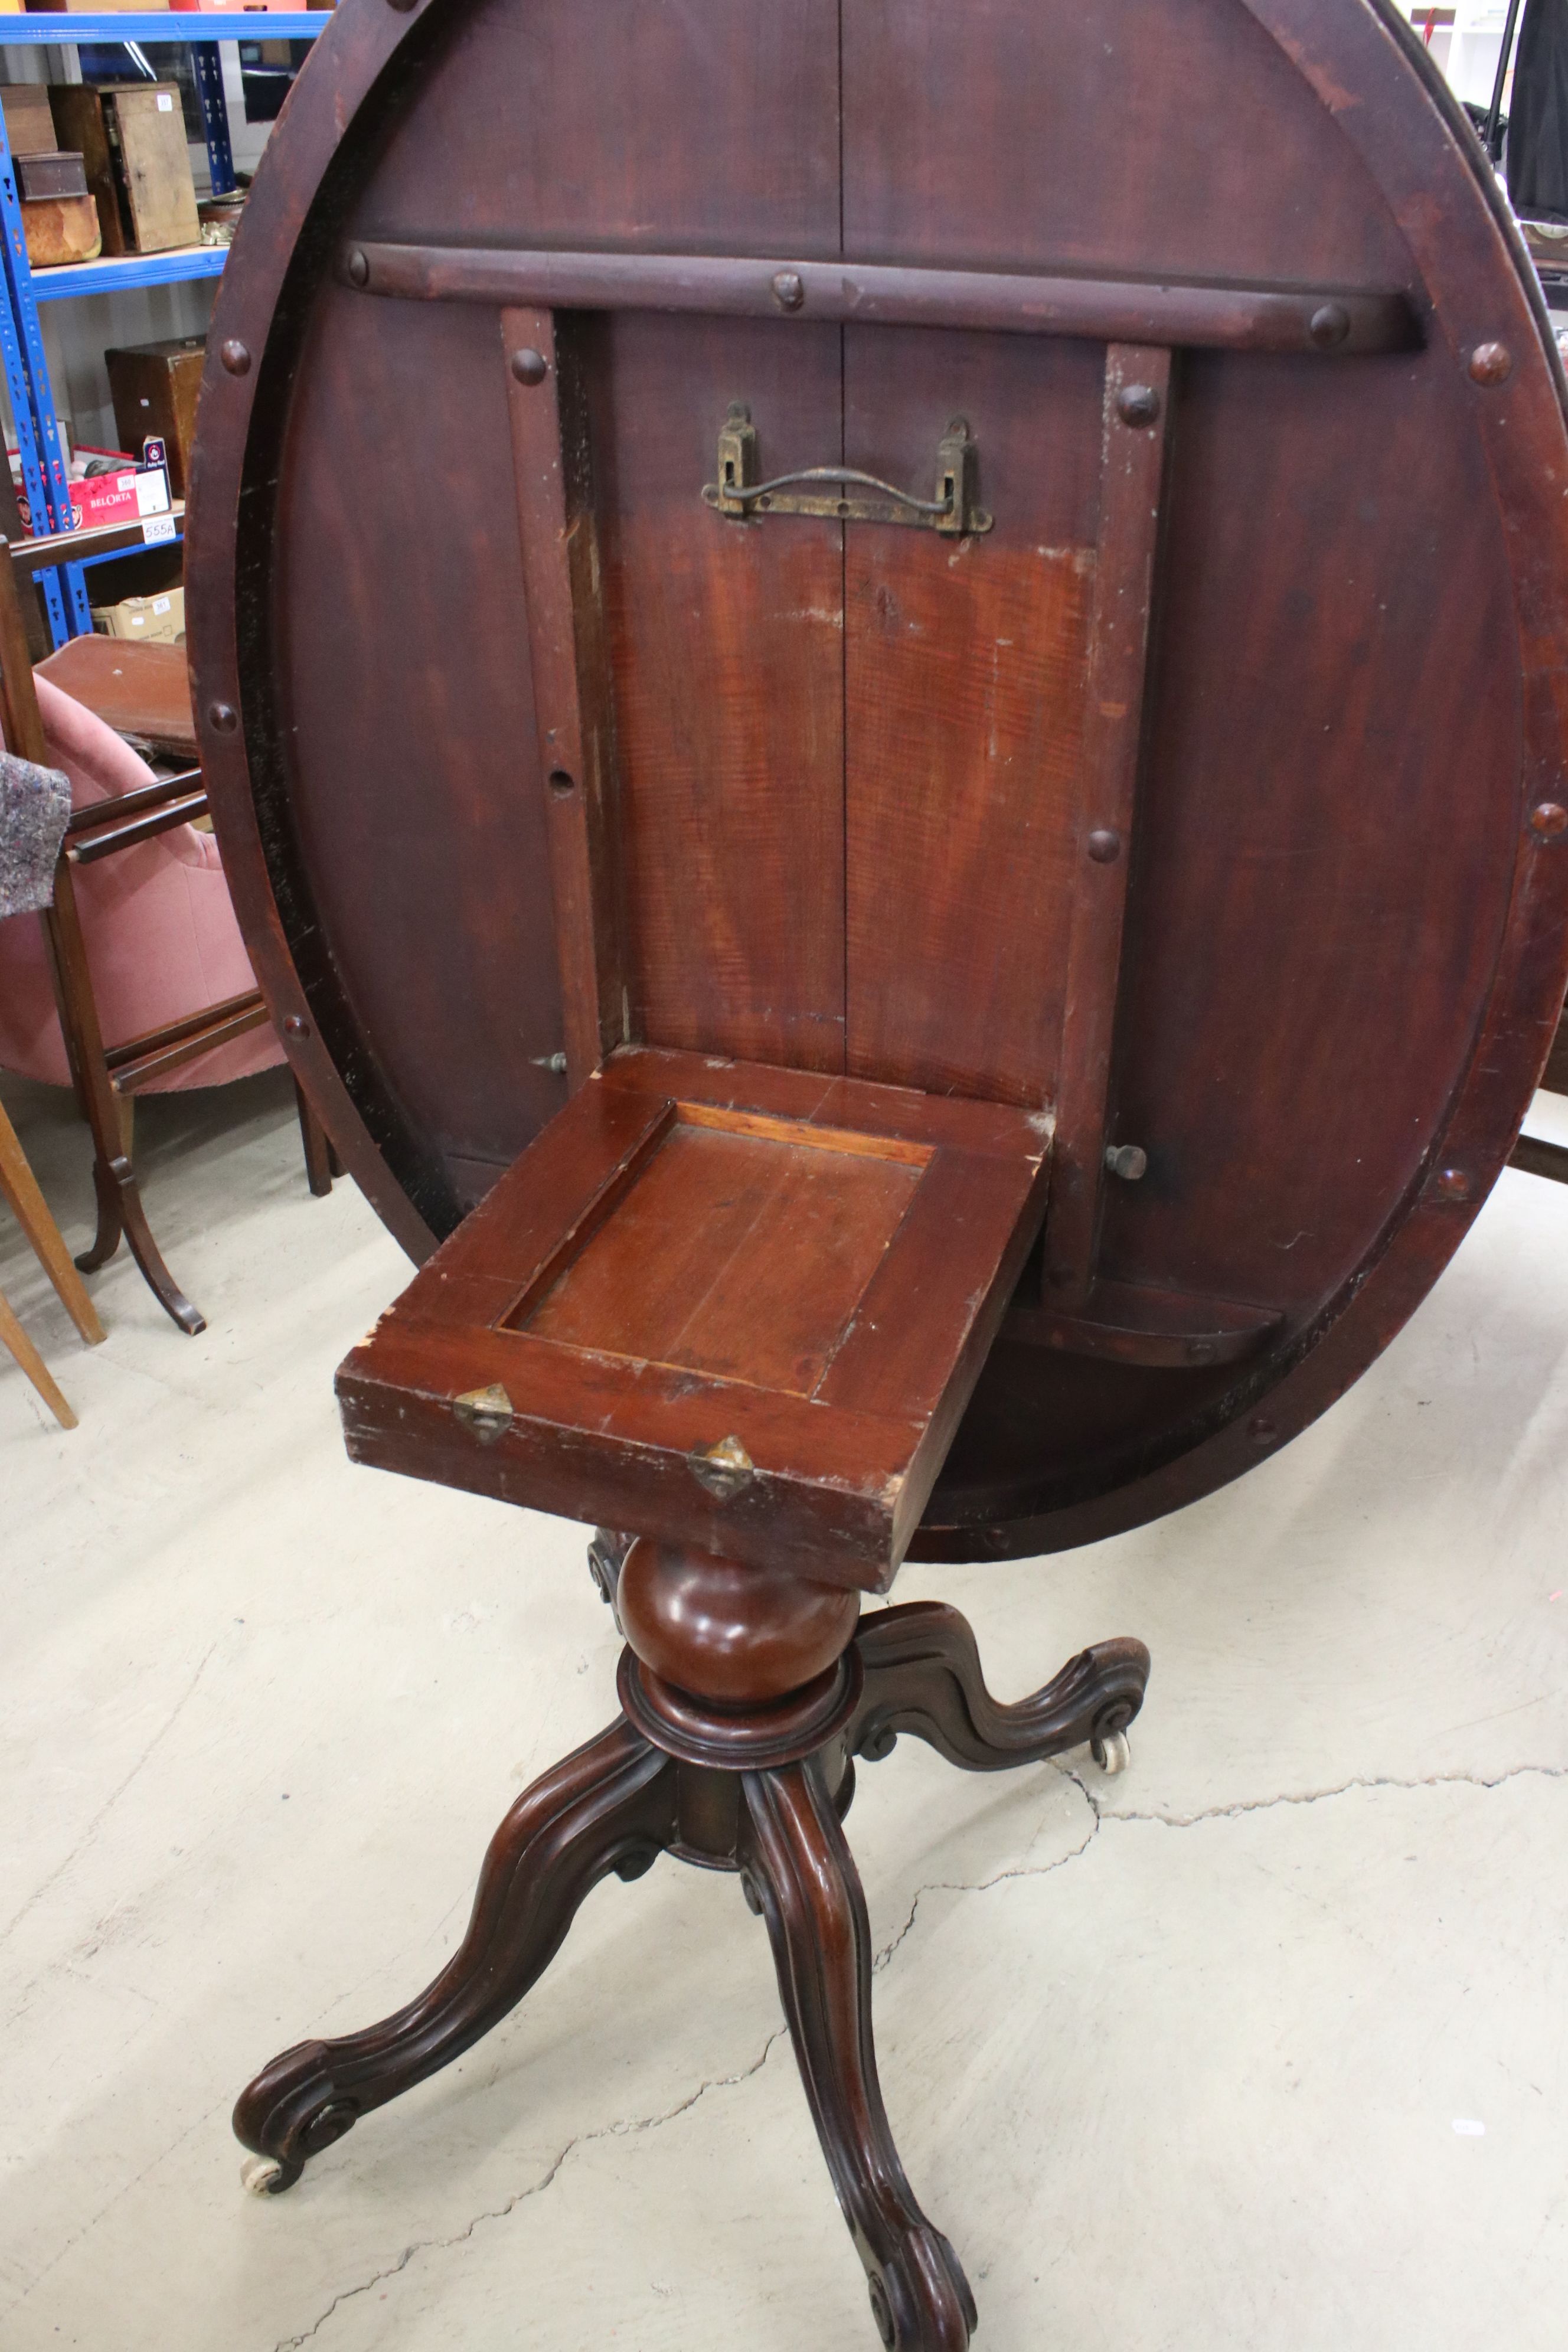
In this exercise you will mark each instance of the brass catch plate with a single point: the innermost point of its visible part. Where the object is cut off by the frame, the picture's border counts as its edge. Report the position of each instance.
(843, 494)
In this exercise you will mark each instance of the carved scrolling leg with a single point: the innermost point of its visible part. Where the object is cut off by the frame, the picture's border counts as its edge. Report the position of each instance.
(609, 1807)
(803, 1877)
(924, 1675)
(746, 1691)
(606, 1557)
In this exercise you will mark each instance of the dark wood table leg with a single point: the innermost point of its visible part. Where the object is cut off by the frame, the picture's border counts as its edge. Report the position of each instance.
(803, 1877)
(611, 1806)
(924, 1675)
(745, 1693)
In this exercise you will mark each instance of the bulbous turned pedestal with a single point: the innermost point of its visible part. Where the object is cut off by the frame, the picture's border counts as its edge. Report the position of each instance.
(734, 1635)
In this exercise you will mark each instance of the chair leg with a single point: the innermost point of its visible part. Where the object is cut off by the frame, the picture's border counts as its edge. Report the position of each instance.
(20, 1188)
(33, 1364)
(802, 1873)
(321, 1163)
(120, 1209)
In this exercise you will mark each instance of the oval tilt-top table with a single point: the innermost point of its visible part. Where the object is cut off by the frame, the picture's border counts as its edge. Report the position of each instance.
(884, 684)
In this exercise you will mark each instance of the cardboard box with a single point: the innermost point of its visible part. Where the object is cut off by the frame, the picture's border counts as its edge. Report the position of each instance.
(156, 620)
(154, 387)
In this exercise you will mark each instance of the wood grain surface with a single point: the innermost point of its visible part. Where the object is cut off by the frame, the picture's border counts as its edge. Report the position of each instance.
(851, 761)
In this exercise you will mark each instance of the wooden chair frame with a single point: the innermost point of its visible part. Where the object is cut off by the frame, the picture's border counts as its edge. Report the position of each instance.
(107, 1078)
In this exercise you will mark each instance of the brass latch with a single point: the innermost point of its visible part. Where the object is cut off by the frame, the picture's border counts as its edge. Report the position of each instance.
(739, 493)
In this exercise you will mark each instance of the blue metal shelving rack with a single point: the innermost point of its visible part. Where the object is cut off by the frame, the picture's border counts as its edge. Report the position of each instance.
(21, 342)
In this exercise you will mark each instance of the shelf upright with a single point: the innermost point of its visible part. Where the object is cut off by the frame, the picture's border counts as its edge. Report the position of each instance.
(49, 508)
(19, 384)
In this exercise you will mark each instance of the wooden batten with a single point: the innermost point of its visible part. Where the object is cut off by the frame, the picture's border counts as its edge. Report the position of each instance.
(561, 560)
(1136, 412)
(1324, 320)
(1133, 1323)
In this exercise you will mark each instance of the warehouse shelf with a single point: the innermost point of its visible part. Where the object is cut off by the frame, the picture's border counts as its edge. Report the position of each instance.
(22, 290)
(113, 275)
(156, 25)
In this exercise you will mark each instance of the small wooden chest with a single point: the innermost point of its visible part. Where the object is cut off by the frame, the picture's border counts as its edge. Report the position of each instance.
(132, 137)
(154, 388)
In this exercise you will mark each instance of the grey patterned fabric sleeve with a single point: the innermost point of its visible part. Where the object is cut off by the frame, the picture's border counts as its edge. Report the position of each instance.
(35, 804)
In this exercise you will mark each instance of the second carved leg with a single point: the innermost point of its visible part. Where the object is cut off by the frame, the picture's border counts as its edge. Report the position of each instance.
(924, 1675)
(609, 1807)
(803, 1877)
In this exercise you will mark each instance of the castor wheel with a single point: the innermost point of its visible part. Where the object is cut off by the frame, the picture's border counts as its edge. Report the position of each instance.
(261, 2176)
(1112, 1753)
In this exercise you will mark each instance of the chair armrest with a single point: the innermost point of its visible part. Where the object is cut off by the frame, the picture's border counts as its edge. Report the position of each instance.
(132, 803)
(135, 829)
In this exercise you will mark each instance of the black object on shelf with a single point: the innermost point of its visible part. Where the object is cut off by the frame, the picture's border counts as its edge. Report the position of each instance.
(1497, 121)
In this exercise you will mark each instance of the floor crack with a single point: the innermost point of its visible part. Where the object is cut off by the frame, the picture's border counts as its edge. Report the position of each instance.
(1323, 1796)
(1103, 1817)
(622, 2129)
(981, 1885)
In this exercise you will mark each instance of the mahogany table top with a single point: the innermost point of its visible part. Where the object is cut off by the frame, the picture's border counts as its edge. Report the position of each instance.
(1017, 552)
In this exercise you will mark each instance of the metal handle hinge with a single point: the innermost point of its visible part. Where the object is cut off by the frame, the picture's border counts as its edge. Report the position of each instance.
(843, 493)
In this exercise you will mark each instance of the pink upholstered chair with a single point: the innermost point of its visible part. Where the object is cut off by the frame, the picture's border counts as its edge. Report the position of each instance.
(170, 991)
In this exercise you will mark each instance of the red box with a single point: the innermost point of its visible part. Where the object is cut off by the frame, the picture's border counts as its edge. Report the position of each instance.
(129, 494)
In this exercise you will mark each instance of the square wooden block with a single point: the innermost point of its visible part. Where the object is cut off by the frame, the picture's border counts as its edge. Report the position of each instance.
(717, 1303)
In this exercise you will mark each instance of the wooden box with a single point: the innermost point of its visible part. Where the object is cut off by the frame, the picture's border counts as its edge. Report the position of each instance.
(154, 387)
(29, 121)
(131, 136)
(77, 108)
(50, 173)
(145, 128)
(59, 218)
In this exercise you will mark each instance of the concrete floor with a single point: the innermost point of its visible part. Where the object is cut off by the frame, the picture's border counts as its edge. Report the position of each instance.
(1262, 2045)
